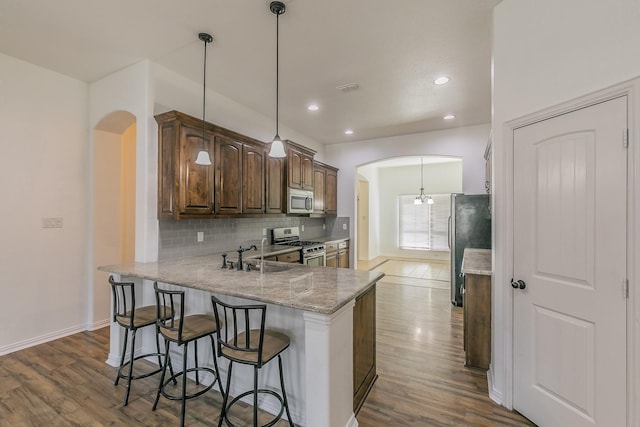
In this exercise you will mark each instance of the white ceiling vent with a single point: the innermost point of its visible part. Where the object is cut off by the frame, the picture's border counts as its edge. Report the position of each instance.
(349, 87)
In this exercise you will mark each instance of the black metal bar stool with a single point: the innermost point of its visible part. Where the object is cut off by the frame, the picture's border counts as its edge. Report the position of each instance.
(132, 318)
(247, 341)
(182, 330)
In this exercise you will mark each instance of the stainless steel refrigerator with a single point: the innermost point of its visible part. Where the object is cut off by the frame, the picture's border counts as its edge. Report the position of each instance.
(469, 227)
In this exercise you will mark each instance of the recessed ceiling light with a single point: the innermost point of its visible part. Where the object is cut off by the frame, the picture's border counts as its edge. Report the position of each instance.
(449, 117)
(348, 132)
(313, 107)
(441, 80)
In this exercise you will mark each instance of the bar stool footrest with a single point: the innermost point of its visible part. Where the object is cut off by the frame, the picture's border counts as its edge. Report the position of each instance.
(173, 378)
(249, 393)
(124, 376)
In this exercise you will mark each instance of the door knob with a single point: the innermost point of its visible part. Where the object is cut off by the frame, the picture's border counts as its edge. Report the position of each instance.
(518, 284)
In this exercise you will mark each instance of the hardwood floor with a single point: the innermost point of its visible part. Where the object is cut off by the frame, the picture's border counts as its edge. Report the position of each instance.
(422, 380)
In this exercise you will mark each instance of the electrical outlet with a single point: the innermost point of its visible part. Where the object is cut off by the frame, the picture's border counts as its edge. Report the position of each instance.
(264, 231)
(52, 222)
(302, 227)
(200, 236)
(344, 226)
(324, 226)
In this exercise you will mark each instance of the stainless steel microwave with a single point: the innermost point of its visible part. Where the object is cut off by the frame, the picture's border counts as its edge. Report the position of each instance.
(300, 201)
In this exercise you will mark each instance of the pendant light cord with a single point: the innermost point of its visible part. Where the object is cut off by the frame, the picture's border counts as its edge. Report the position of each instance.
(204, 92)
(277, 72)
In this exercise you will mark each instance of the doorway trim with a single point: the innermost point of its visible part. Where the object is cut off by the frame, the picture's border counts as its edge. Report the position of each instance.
(503, 295)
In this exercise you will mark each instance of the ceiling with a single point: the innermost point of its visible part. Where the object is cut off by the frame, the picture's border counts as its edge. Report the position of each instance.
(392, 50)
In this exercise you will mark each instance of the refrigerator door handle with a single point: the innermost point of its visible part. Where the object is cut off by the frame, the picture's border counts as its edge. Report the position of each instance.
(449, 232)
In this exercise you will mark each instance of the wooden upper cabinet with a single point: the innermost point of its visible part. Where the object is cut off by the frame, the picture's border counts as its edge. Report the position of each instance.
(319, 178)
(184, 188)
(253, 178)
(196, 181)
(228, 165)
(276, 202)
(331, 191)
(300, 166)
(325, 192)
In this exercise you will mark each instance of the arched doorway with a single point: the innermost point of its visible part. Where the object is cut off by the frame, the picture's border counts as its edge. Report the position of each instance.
(388, 179)
(114, 194)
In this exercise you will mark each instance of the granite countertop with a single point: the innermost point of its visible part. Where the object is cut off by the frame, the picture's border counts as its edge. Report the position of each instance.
(476, 261)
(316, 289)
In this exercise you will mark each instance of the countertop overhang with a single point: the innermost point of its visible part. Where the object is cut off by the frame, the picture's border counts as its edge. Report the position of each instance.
(315, 289)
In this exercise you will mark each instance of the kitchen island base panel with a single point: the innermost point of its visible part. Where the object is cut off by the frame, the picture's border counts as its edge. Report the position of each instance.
(318, 364)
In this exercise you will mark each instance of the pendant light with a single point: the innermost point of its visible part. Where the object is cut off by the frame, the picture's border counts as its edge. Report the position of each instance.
(277, 147)
(203, 155)
(422, 197)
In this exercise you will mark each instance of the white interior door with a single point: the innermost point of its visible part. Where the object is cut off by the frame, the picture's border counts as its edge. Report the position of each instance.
(570, 226)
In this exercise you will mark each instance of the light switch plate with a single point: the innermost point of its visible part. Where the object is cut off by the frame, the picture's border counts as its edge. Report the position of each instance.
(344, 226)
(52, 222)
(200, 236)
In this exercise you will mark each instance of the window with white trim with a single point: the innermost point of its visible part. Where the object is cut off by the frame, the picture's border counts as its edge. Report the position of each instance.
(424, 226)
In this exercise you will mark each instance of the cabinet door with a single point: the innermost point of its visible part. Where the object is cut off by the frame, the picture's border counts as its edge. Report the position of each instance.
(343, 259)
(196, 181)
(364, 346)
(295, 168)
(331, 192)
(318, 189)
(228, 183)
(253, 173)
(332, 259)
(275, 185)
(307, 172)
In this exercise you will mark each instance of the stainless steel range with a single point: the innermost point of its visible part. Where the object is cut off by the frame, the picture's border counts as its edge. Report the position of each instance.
(313, 253)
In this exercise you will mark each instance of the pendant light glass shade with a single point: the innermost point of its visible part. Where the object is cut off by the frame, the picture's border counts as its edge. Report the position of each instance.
(277, 147)
(203, 157)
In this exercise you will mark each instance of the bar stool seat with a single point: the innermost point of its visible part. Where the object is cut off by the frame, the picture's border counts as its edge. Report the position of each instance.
(182, 330)
(250, 346)
(132, 318)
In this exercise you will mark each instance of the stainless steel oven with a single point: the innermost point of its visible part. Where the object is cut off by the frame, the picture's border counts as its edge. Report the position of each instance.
(313, 253)
(317, 257)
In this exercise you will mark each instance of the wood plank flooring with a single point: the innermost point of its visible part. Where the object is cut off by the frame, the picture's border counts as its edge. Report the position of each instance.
(422, 380)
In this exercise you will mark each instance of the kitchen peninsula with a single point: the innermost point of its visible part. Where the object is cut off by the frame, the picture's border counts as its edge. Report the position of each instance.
(315, 306)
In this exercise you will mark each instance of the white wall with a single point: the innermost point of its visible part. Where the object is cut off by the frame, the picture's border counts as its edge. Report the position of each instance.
(43, 167)
(547, 52)
(468, 143)
(439, 178)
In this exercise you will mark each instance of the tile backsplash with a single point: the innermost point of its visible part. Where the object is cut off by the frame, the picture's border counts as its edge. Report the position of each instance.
(178, 239)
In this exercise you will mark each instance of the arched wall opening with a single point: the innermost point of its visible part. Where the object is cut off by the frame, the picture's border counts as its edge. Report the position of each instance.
(114, 201)
(379, 186)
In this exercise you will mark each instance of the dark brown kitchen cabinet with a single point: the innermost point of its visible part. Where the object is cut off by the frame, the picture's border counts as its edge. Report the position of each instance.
(337, 253)
(276, 202)
(300, 166)
(364, 346)
(325, 189)
(253, 178)
(476, 301)
(184, 188)
(228, 168)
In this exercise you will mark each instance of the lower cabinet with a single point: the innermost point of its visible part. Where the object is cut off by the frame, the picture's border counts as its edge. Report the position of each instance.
(364, 346)
(338, 254)
(293, 256)
(476, 301)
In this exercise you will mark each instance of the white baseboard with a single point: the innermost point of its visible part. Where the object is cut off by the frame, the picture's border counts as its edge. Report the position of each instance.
(352, 421)
(98, 325)
(494, 394)
(41, 339)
